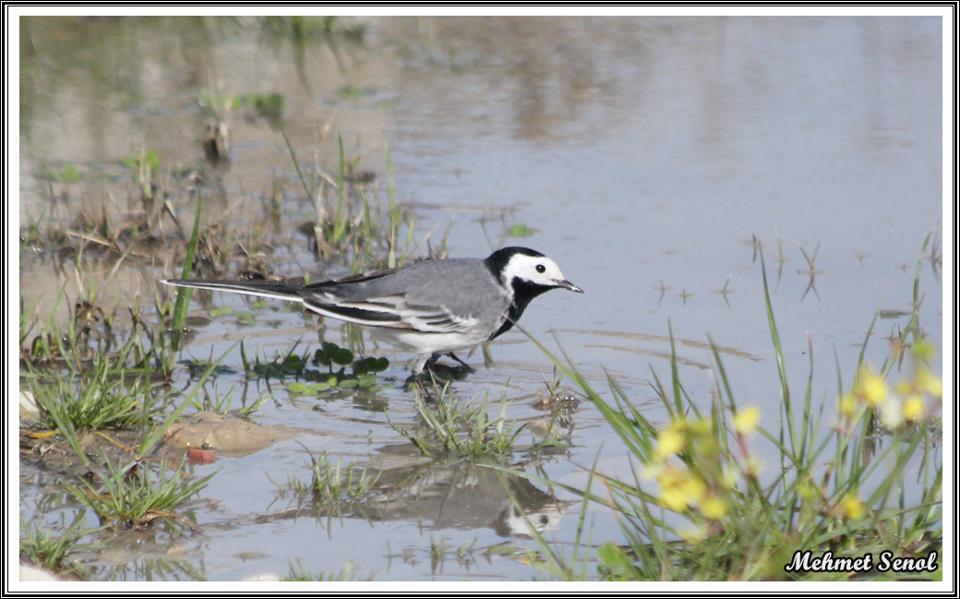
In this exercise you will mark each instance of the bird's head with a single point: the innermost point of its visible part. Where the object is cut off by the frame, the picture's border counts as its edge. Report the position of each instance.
(518, 266)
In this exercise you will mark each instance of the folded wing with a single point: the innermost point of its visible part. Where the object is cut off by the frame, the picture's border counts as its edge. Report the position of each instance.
(391, 311)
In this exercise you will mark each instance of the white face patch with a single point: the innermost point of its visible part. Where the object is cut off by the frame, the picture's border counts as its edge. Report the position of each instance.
(538, 270)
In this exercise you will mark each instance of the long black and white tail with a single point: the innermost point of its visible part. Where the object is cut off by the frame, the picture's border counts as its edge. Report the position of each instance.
(324, 303)
(268, 289)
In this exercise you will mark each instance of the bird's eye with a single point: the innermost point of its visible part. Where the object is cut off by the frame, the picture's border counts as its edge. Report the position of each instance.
(541, 268)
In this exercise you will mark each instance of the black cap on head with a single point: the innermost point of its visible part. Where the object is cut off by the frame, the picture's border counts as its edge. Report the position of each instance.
(499, 259)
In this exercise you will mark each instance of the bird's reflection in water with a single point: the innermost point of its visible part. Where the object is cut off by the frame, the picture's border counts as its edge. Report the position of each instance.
(462, 495)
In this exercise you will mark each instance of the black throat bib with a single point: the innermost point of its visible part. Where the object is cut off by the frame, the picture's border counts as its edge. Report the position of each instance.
(523, 293)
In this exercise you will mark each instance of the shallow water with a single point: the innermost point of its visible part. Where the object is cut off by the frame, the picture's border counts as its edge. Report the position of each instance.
(644, 153)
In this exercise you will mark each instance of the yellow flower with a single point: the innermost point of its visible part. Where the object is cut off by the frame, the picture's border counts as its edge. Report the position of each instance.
(693, 488)
(929, 382)
(673, 499)
(848, 405)
(853, 508)
(679, 488)
(874, 388)
(713, 507)
(913, 407)
(669, 442)
(745, 421)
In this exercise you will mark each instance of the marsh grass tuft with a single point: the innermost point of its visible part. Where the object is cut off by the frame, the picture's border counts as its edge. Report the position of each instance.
(333, 487)
(138, 494)
(449, 428)
(97, 400)
(337, 484)
(352, 226)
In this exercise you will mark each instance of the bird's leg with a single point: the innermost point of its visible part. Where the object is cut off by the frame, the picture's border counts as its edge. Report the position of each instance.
(431, 362)
(421, 374)
(422, 362)
(462, 363)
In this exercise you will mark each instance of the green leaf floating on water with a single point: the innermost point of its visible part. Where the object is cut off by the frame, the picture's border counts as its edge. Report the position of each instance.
(520, 231)
(367, 380)
(221, 311)
(343, 357)
(370, 365)
(362, 373)
(300, 388)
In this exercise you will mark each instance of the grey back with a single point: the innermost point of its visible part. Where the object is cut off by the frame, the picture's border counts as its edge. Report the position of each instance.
(464, 286)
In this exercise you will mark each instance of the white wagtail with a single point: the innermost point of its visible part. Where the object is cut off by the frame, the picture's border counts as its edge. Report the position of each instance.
(433, 307)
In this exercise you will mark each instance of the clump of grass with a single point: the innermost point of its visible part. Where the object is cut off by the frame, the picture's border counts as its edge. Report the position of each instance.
(701, 505)
(52, 549)
(87, 332)
(222, 403)
(137, 495)
(104, 399)
(97, 400)
(337, 484)
(332, 486)
(349, 225)
(450, 428)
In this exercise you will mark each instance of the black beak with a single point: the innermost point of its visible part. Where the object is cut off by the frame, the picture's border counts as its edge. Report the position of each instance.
(568, 285)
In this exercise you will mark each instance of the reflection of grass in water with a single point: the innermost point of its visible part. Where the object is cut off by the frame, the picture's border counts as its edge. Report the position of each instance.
(700, 509)
(299, 573)
(154, 568)
(50, 549)
(314, 27)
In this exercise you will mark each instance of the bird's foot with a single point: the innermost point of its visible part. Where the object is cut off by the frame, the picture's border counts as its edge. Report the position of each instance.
(432, 376)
